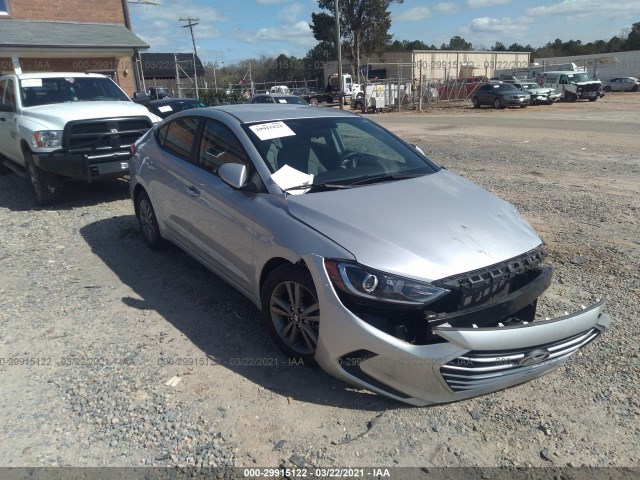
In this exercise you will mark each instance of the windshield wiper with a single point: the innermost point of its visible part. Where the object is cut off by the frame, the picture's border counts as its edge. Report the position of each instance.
(386, 178)
(318, 186)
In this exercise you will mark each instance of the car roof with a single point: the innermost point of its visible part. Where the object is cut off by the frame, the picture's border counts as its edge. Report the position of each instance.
(57, 75)
(168, 100)
(252, 112)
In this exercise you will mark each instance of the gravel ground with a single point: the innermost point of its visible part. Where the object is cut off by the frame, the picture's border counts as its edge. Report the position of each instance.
(103, 324)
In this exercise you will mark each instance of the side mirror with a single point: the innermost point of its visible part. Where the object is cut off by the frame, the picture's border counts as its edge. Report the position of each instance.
(7, 107)
(234, 174)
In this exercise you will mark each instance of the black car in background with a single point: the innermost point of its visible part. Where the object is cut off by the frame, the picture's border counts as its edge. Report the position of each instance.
(500, 95)
(168, 106)
(281, 98)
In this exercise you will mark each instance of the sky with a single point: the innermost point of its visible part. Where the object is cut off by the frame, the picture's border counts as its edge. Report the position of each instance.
(230, 31)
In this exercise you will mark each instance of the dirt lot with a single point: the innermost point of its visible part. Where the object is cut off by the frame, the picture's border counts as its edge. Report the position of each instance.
(102, 323)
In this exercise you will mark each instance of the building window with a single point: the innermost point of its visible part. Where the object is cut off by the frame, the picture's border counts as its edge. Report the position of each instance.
(4, 7)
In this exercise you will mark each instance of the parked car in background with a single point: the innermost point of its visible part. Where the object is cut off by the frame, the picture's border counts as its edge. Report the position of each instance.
(318, 217)
(277, 98)
(622, 84)
(158, 93)
(500, 95)
(539, 95)
(168, 106)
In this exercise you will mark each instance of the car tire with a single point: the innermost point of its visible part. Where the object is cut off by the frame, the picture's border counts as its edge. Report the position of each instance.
(148, 221)
(607, 89)
(570, 97)
(593, 99)
(291, 312)
(46, 186)
(358, 105)
(635, 88)
(476, 102)
(496, 103)
(313, 102)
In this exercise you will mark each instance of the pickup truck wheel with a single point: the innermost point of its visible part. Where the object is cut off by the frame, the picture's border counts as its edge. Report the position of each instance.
(148, 221)
(46, 186)
(313, 102)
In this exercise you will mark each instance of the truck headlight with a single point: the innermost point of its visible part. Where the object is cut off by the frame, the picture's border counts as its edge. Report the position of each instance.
(364, 282)
(47, 139)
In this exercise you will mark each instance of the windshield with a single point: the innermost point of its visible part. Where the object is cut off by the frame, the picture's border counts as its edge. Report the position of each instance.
(337, 151)
(46, 91)
(578, 77)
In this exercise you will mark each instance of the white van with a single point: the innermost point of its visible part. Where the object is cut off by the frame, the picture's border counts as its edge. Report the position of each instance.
(572, 85)
(279, 89)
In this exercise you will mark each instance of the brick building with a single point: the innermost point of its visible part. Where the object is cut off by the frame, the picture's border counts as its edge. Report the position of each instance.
(69, 35)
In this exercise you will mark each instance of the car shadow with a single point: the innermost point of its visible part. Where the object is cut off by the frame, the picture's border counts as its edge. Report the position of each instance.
(218, 320)
(16, 193)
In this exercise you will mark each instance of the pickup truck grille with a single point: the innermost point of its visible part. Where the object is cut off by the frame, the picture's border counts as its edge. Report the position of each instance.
(103, 135)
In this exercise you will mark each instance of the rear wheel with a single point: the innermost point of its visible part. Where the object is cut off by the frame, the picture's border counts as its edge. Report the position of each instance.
(291, 312)
(148, 221)
(570, 97)
(476, 102)
(46, 186)
(593, 99)
(313, 102)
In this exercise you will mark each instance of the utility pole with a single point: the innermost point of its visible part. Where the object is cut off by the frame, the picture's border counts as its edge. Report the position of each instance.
(339, 49)
(192, 22)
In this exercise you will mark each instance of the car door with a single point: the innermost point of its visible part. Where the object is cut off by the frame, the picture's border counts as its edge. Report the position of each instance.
(221, 215)
(485, 94)
(9, 134)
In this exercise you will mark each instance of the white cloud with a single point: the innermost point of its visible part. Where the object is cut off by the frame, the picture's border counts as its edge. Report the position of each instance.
(271, 2)
(446, 8)
(486, 3)
(584, 7)
(506, 26)
(414, 14)
(297, 34)
(291, 13)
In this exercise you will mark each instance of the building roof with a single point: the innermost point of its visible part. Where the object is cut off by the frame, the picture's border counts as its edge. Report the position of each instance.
(43, 34)
(163, 65)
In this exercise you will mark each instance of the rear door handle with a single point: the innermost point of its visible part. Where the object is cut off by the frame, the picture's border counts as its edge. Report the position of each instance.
(193, 191)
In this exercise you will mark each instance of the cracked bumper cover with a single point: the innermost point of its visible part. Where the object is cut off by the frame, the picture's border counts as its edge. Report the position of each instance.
(471, 362)
(84, 166)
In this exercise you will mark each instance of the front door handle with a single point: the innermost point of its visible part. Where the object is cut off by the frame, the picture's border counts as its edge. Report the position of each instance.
(193, 191)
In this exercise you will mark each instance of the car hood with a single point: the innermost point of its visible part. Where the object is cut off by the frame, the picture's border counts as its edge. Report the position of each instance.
(540, 91)
(425, 228)
(55, 116)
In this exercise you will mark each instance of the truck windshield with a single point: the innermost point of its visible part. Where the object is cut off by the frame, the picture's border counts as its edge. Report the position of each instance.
(578, 77)
(47, 91)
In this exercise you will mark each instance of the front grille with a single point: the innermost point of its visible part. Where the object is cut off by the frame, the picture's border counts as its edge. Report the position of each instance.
(480, 286)
(104, 134)
(485, 369)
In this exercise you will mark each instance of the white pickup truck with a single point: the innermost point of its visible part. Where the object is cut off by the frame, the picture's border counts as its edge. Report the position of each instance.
(67, 125)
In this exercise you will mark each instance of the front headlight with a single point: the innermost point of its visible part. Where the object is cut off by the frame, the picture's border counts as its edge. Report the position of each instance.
(365, 282)
(47, 139)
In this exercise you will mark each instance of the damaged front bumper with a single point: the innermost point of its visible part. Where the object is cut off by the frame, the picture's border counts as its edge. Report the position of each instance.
(464, 360)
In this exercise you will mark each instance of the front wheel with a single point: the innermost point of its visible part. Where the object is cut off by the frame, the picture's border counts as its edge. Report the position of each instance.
(593, 99)
(497, 104)
(607, 89)
(291, 312)
(46, 186)
(313, 102)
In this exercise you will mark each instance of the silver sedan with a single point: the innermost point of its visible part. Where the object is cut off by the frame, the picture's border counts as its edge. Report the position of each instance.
(364, 256)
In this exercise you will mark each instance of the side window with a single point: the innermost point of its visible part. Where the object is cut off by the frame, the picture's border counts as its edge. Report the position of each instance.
(2, 84)
(9, 97)
(563, 80)
(219, 145)
(179, 135)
